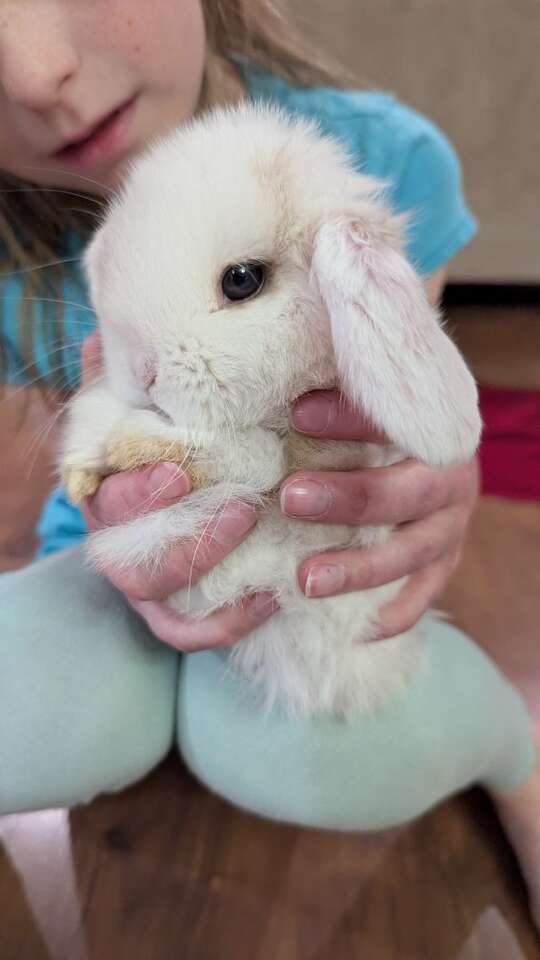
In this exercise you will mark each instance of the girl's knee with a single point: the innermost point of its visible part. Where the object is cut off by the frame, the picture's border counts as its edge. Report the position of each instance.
(88, 697)
(323, 774)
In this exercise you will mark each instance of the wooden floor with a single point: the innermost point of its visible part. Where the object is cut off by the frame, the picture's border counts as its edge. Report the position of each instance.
(166, 871)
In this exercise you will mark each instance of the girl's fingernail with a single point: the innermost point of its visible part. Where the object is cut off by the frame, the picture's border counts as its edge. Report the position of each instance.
(314, 414)
(169, 481)
(325, 580)
(305, 498)
(233, 524)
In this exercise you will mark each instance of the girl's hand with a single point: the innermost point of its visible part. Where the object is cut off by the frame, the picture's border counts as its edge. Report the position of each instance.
(130, 494)
(431, 509)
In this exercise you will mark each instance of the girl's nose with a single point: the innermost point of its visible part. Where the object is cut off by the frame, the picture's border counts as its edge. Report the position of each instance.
(36, 55)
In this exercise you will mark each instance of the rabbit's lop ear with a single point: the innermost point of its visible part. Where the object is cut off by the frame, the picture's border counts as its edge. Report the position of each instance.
(394, 361)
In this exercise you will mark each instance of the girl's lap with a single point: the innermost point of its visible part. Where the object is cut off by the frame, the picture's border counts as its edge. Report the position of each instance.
(458, 722)
(90, 702)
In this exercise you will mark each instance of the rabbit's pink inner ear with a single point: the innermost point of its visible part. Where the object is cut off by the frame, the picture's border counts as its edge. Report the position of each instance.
(394, 361)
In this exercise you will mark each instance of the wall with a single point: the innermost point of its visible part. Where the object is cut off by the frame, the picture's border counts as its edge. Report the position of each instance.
(473, 66)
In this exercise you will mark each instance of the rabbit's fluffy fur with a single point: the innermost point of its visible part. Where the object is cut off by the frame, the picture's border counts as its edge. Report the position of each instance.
(341, 306)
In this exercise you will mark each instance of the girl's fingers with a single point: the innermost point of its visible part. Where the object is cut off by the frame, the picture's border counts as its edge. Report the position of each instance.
(416, 597)
(410, 548)
(326, 413)
(124, 496)
(379, 495)
(188, 560)
(219, 629)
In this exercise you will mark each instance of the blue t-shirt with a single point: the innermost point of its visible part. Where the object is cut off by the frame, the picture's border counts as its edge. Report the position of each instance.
(385, 139)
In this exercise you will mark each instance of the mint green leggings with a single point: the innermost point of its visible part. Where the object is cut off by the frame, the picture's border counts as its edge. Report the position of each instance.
(90, 702)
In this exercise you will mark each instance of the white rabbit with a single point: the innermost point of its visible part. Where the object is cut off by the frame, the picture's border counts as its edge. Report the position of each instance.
(244, 263)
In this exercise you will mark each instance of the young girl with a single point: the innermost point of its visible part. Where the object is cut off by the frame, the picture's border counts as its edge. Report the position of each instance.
(90, 702)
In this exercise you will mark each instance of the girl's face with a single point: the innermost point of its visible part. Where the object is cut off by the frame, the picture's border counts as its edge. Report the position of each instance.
(84, 84)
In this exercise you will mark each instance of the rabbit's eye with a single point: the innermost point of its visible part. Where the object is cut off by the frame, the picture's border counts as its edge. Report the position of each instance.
(243, 280)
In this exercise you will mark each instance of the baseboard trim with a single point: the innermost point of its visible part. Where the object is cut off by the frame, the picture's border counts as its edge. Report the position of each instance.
(491, 294)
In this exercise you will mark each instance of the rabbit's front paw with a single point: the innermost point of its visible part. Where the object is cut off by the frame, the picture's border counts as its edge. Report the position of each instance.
(127, 451)
(81, 483)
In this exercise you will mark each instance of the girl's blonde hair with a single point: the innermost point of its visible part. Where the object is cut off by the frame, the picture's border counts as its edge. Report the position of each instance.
(33, 220)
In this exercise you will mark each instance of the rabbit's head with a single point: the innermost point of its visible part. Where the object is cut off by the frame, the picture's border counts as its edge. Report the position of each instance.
(245, 262)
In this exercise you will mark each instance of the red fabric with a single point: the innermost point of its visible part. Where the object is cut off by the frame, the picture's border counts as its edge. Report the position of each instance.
(510, 449)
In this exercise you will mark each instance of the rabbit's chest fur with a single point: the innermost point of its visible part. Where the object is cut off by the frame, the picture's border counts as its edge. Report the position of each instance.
(269, 557)
(313, 656)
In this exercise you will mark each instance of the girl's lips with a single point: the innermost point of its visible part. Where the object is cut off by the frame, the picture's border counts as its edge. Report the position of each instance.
(105, 142)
